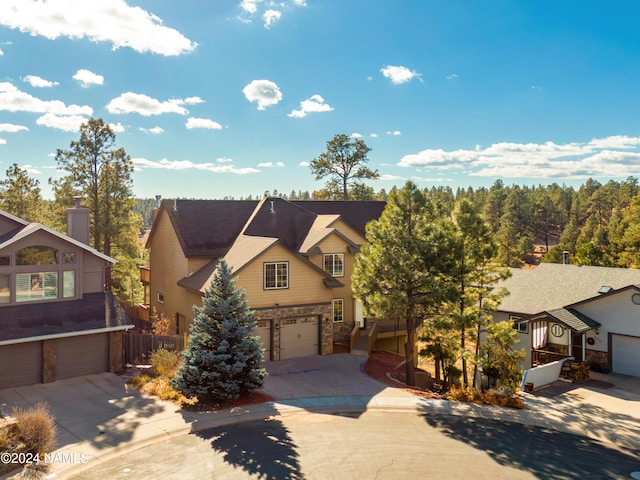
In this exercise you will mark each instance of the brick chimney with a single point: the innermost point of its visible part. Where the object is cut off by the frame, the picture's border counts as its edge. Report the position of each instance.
(78, 222)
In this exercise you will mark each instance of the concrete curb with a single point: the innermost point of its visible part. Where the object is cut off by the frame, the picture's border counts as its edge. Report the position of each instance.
(343, 404)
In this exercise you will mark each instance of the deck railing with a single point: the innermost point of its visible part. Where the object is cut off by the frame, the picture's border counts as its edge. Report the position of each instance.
(541, 357)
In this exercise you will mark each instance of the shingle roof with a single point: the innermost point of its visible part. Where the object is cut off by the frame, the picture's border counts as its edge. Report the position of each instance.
(573, 319)
(207, 228)
(550, 286)
(95, 311)
(356, 213)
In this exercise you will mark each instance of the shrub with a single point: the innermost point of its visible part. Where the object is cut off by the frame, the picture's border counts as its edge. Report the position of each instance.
(37, 428)
(499, 398)
(165, 362)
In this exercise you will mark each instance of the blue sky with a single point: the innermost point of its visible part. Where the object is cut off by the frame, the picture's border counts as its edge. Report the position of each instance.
(215, 98)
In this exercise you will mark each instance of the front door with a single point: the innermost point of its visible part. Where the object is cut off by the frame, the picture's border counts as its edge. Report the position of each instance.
(576, 346)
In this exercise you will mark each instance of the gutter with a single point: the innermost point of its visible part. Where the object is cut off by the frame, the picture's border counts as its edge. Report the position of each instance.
(53, 336)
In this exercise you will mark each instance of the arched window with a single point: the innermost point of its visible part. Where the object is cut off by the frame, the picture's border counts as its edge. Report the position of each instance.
(37, 255)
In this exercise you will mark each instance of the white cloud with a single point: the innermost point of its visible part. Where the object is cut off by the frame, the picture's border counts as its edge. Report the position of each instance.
(300, 3)
(356, 135)
(67, 123)
(453, 76)
(399, 74)
(601, 157)
(271, 164)
(87, 78)
(144, 105)
(315, 103)
(202, 123)
(303, 164)
(1, 52)
(14, 100)
(223, 160)
(193, 100)
(38, 82)
(263, 92)
(374, 135)
(152, 131)
(3, 141)
(11, 128)
(106, 21)
(393, 178)
(394, 133)
(270, 17)
(117, 127)
(31, 170)
(250, 6)
(164, 164)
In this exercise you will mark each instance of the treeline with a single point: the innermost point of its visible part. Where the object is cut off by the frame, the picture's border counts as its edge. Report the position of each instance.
(595, 223)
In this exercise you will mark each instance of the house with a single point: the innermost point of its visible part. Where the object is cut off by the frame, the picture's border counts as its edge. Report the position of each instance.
(57, 320)
(293, 258)
(589, 313)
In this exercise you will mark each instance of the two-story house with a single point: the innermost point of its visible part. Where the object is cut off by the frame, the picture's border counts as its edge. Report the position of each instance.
(57, 319)
(293, 258)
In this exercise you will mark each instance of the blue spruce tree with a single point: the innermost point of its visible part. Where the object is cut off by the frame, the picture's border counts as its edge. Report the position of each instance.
(223, 359)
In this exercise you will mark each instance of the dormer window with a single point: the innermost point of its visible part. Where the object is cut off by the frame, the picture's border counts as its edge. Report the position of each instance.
(37, 255)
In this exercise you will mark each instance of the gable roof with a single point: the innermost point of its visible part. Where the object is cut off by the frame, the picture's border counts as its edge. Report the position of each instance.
(356, 213)
(31, 228)
(550, 286)
(206, 228)
(571, 318)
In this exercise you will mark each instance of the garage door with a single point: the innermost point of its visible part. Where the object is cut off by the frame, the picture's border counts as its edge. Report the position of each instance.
(626, 355)
(20, 364)
(82, 355)
(263, 330)
(298, 337)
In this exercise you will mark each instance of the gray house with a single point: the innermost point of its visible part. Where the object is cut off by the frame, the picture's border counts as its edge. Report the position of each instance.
(57, 319)
(590, 313)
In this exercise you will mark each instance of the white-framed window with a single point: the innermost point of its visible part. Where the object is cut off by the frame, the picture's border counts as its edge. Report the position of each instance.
(276, 275)
(522, 326)
(334, 264)
(160, 297)
(338, 309)
(36, 286)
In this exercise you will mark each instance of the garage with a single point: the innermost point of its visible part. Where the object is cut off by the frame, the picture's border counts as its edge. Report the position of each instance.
(299, 337)
(82, 355)
(625, 353)
(20, 364)
(263, 330)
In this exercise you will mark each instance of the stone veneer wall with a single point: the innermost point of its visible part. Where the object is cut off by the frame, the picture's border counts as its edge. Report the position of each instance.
(276, 314)
(598, 361)
(342, 331)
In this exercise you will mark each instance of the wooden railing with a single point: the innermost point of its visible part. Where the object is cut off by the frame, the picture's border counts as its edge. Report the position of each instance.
(541, 357)
(145, 275)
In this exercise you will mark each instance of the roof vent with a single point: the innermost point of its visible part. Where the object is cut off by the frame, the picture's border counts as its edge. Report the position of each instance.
(605, 289)
(158, 199)
(565, 257)
(273, 210)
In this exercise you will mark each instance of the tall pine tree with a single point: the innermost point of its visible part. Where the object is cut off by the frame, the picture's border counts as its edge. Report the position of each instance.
(223, 359)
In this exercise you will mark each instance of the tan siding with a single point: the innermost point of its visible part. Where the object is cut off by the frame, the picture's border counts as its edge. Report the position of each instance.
(305, 283)
(195, 264)
(336, 244)
(348, 232)
(168, 266)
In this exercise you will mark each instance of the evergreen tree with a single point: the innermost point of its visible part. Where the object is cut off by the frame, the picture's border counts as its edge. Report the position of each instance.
(500, 357)
(223, 359)
(20, 195)
(401, 272)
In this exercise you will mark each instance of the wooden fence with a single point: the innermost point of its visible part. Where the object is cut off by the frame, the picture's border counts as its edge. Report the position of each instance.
(138, 346)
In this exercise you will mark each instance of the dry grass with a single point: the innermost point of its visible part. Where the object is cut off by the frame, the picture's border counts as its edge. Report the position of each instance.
(164, 362)
(471, 395)
(37, 428)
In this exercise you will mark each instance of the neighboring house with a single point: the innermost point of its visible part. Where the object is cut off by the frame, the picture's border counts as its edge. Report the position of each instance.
(293, 258)
(590, 313)
(57, 319)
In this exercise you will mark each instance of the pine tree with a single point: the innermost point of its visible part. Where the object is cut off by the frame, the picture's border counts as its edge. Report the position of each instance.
(223, 359)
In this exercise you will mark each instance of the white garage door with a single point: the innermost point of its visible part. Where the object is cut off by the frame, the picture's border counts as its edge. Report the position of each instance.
(263, 330)
(298, 337)
(82, 355)
(626, 355)
(20, 364)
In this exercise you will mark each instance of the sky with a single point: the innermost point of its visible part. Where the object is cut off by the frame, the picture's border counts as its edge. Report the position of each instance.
(230, 98)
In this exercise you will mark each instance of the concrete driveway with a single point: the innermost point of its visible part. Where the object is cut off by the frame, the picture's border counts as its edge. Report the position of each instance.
(100, 417)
